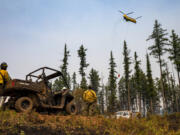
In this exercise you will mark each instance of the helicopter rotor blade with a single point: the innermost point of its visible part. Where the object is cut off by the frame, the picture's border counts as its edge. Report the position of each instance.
(129, 13)
(138, 17)
(121, 12)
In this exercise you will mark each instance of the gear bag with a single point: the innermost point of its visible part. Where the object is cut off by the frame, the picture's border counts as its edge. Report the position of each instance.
(89, 96)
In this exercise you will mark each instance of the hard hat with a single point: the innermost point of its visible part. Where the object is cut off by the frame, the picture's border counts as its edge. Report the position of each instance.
(89, 87)
(64, 88)
(4, 65)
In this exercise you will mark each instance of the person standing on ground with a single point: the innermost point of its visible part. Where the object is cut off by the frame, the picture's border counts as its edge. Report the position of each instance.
(4, 78)
(90, 98)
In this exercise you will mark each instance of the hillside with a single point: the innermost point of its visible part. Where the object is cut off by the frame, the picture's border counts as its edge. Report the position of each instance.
(12, 123)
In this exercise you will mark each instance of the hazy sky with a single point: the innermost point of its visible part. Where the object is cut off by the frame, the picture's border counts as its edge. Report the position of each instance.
(33, 32)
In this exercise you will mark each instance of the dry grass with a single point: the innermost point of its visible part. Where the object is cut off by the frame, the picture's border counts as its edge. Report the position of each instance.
(34, 123)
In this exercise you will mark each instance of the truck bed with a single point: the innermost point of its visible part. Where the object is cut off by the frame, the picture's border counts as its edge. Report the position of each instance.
(23, 84)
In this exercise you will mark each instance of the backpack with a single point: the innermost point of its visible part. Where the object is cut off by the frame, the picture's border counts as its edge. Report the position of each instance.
(89, 96)
(4, 80)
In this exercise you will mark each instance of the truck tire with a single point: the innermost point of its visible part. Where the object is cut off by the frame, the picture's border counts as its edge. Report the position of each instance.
(71, 108)
(93, 109)
(24, 104)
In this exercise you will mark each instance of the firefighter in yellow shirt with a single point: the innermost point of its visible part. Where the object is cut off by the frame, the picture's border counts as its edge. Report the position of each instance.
(90, 98)
(4, 78)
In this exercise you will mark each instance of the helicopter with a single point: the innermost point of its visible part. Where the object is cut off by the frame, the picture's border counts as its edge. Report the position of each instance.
(127, 18)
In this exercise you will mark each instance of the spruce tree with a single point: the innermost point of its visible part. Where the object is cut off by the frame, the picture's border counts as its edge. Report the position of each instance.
(74, 81)
(127, 71)
(133, 92)
(65, 62)
(157, 50)
(106, 96)
(101, 99)
(60, 82)
(83, 66)
(137, 79)
(94, 80)
(143, 90)
(112, 84)
(150, 83)
(122, 94)
(167, 92)
(174, 52)
(175, 95)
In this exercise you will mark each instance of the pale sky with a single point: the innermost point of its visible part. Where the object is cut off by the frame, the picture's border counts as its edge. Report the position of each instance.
(33, 32)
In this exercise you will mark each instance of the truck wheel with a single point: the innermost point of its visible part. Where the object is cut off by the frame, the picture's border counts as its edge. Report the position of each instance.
(24, 104)
(71, 108)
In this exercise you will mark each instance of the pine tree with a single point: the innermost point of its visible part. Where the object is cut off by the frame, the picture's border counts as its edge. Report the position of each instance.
(137, 79)
(94, 80)
(101, 99)
(127, 71)
(158, 49)
(64, 67)
(174, 52)
(60, 82)
(175, 95)
(112, 84)
(133, 92)
(65, 62)
(83, 66)
(106, 96)
(150, 83)
(143, 90)
(74, 81)
(167, 92)
(122, 94)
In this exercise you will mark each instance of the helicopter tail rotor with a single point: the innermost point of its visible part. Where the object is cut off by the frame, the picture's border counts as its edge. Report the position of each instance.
(138, 17)
(129, 13)
(121, 12)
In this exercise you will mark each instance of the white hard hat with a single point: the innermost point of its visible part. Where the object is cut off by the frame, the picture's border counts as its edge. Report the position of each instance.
(64, 88)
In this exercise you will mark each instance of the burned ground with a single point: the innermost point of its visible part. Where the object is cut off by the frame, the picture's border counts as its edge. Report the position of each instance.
(12, 123)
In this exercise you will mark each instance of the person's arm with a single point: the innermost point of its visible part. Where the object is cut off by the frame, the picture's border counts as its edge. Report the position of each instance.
(94, 93)
(84, 95)
(7, 77)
